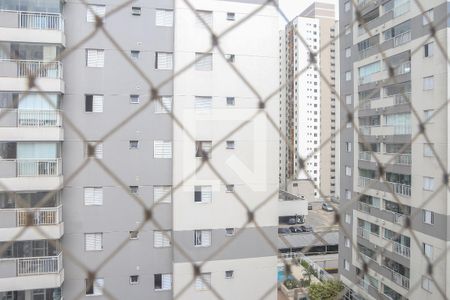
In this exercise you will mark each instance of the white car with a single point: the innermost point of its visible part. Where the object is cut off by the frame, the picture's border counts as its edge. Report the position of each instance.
(327, 207)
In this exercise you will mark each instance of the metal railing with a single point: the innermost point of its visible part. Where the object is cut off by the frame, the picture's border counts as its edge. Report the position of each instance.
(401, 189)
(402, 38)
(36, 68)
(40, 20)
(399, 279)
(364, 207)
(364, 233)
(38, 118)
(39, 265)
(399, 218)
(401, 249)
(39, 216)
(365, 181)
(38, 167)
(402, 98)
(365, 155)
(403, 159)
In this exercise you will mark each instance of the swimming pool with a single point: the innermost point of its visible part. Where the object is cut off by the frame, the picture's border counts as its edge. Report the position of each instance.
(282, 276)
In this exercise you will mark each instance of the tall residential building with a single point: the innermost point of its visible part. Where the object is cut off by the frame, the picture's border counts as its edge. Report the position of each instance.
(94, 217)
(388, 67)
(308, 106)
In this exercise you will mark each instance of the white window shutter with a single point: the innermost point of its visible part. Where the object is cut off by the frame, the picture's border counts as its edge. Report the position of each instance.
(164, 105)
(164, 61)
(93, 10)
(99, 151)
(161, 239)
(206, 238)
(93, 196)
(206, 16)
(93, 241)
(97, 103)
(164, 17)
(98, 196)
(166, 280)
(206, 193)
(162, 149)
(95, 58)
(203, 104)
(162, 194)
(203, 281)
(204, 61)
(99, 283)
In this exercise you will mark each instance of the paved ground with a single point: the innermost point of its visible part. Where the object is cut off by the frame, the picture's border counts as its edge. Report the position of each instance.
(319, 219)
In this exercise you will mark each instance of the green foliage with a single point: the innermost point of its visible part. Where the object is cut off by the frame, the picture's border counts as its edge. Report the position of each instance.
(327, 290)
(291, 283)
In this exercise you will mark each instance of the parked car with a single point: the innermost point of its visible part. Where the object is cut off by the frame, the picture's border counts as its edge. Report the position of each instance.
(327, 207)
(283, 230)
(296, 229)
(306, 228)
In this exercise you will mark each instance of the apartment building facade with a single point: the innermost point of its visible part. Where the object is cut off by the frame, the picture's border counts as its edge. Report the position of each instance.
(389, 67)
(82, 183)
(308, 107)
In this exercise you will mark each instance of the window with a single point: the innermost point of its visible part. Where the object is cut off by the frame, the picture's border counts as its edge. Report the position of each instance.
(230, 101)
(95, 10)
(347, 6)
(161, 239)
(162, 149)
(202, 238)
(230, 58)
(134, 54)
(203, 282)
(348, 146)
(203, 17)
(202, 193)
(134, 99)
(427, 115)
(229, 188)
(163, 61)
(134, 189)
(426, 283)
(95, 58)
(93, 196)
(427, 150)
(348, 75)
(93, 241)
(94, 287)
(203, 61)
(348, 52)
(229, 231)
(348, 194)
(93, 103)
(229, 274)
(162, 194)
(348, 219)
(134, 144)
(203, 104)
(347, 242)
(164, 17)
(203, 149)
(134, 235)
(164, 105)
(346, 265)
(428, 183)
(428, 17)
(428, 250)
(136, 11)
(428, 49)
(163, 282)
(134, 279)
(428, 83)
(347, 29)
(230, 144)
(348, 99)
(231, 16)
(94, 149)
(348, 171)
(428, 217)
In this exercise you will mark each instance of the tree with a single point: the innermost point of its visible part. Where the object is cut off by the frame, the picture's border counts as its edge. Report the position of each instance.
(327, 290)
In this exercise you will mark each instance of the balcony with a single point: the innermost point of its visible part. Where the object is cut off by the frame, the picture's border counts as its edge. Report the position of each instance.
(31, 272)
(31, 174)
(26, 125)
(364, 233)
(14, 75)
(365, 155)
(401, 249)
(29, 26)
(364, 207)
(403, 159)
(398, 278)
(402, 39)
(401, 189)
(375, 130)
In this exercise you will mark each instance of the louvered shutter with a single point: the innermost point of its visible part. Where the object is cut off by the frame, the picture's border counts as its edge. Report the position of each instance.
(203, 104)
(206, 193)
(203, 281)
(204, 61)
(164, 61)
(206, 147)
(157, 239)
(162, 149)
(98, 196)
(206, 238)
(95, 58)
(93, 241)
(89, 196)
(164, 17)
(99, 283)
(93, 10)
(99, 151)
(162, 191)
(97, 103)
(206, 16)
(166, 280)
(164, 105)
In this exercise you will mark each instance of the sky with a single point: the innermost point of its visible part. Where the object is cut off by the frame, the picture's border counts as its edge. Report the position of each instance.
(293, 8)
